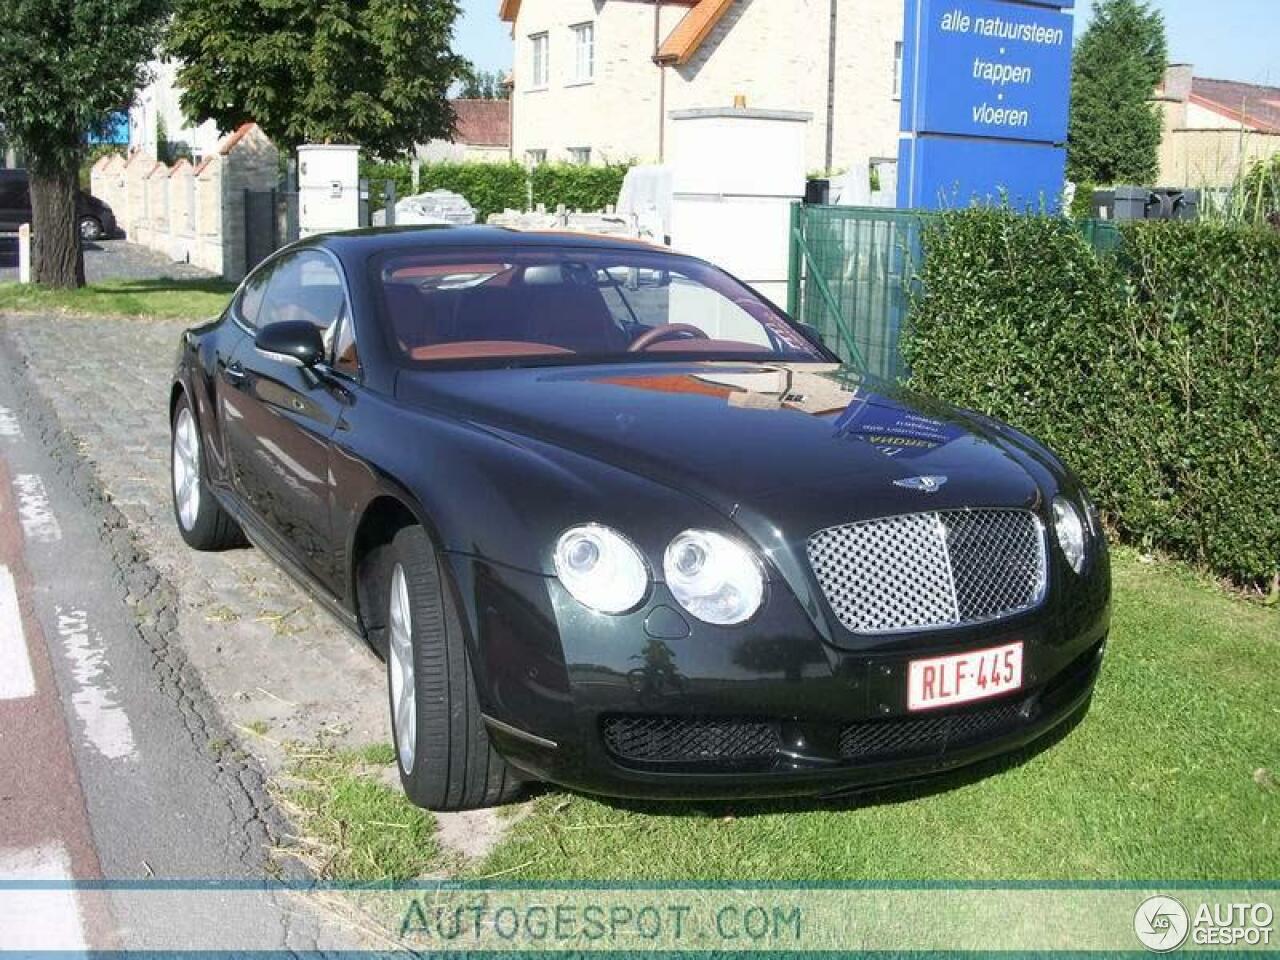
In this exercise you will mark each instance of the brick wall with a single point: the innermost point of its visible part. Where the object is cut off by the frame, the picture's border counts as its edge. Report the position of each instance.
(190, 213)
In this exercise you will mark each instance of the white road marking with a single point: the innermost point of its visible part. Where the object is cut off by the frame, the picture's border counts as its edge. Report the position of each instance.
(97, 701)
(44, 919)
(38, 522)
(9, 426)
(16, 678)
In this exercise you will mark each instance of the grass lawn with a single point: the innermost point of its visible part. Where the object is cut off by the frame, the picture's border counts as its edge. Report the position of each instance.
(1172, 775)
(162, 299)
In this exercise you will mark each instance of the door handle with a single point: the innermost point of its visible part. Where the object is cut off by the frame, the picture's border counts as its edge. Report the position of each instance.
(234, 374)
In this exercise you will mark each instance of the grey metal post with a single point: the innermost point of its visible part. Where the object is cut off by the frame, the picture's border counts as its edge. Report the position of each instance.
(291, 229)
(389, 201)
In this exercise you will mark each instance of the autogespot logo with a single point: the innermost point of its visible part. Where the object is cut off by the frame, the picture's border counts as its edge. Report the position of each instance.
(1161, 924)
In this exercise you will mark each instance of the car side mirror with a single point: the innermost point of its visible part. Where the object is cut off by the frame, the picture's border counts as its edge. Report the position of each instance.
(296, 340)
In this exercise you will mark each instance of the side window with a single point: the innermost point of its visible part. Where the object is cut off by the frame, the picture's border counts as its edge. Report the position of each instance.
(250, 302)
(305, 286)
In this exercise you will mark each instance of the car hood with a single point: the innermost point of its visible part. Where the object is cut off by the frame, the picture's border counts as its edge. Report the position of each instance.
(786, 447)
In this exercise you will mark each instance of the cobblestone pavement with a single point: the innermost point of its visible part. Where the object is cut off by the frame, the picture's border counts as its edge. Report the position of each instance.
(109, 260)
(266, 653)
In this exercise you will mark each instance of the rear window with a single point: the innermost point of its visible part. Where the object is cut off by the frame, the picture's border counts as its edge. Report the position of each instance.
(572, 305)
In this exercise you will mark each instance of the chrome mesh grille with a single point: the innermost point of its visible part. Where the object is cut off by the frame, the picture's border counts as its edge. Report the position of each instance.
(935, 569)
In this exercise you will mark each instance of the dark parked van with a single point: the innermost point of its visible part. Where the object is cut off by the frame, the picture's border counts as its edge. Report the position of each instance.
(95, 217)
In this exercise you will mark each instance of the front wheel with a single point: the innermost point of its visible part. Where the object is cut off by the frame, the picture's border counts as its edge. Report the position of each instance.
(202, 522)
(90, 229)
(443, 751)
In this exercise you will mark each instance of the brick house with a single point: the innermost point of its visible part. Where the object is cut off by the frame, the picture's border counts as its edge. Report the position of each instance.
(1214, 129)
(594, 80)
(481, 132)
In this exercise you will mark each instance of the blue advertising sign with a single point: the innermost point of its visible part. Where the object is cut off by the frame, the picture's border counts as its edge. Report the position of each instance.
(958, 171)
(985, 102)
(115, 130)
(988, 68)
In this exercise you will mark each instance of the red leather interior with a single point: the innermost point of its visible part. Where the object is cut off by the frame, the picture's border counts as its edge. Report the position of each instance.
(471, 349)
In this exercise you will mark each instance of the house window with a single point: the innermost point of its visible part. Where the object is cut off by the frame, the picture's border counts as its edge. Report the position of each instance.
(580, 155)
(584, 52)
(535, 158)
(541, 59)
(897, 71)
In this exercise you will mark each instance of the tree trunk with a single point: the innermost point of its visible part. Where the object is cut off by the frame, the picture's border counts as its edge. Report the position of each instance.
(56, 257)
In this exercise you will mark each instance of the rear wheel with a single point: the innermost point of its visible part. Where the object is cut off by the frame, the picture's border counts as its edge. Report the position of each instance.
(90, 228)
(443, 751)
(202, 522)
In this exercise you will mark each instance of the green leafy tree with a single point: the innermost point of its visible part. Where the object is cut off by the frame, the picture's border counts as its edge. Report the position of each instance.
(370, 72)
(484, 85)
(1115, 131)
(65, 67)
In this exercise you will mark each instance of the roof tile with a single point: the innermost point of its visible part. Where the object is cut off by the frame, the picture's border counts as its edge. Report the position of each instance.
(482, 123)
(1249, 104)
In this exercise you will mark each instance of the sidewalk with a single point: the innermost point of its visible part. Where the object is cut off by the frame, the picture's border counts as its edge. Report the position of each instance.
(108, 260)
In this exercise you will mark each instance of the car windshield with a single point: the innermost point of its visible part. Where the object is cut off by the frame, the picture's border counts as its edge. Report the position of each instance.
(570, 305)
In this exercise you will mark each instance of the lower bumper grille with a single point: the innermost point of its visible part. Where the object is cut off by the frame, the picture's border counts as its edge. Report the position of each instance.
(677, 740)
(754, 743)
(927, 735)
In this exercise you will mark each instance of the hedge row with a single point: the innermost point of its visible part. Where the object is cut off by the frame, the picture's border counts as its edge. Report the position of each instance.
(494, 187)
(1153, 371)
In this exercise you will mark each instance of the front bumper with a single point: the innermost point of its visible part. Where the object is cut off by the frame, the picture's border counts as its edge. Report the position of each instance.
(602, 705)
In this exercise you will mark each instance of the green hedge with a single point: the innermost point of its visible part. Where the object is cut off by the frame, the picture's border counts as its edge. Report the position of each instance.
(578, 187)
(494, 187)
(1154, 371)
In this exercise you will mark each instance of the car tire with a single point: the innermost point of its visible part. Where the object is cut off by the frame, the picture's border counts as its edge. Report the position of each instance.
(201, 520)
(443, 752)
(90, 229)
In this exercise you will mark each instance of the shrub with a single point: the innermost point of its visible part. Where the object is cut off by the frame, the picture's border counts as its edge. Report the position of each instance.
(488, 187)
(494, 187)
(1154, 372)
(578, 187)
(1082, 202)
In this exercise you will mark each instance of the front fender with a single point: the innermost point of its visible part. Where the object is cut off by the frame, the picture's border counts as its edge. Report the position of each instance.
(490, 495)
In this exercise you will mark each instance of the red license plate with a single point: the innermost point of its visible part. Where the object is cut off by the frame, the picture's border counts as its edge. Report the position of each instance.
(964, 677)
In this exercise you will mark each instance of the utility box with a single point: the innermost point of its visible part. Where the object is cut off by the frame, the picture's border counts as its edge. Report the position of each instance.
(735, 172)
(328, 188)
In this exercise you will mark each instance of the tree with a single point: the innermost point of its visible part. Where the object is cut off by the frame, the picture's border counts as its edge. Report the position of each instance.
(1115, 131)
(65, 67)
(484, 85)
(370, 72)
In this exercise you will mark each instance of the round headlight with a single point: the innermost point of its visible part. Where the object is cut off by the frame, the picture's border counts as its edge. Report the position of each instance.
(601, 569)
(714, 578)
(1069, 529)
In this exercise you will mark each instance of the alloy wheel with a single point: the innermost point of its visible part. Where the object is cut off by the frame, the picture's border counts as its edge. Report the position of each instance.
(186, 468)
(400, 658)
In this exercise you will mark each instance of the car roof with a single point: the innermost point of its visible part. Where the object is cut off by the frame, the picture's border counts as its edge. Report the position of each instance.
(379, 239)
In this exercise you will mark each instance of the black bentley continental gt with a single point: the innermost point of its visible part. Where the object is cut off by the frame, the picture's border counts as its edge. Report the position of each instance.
(616, 522)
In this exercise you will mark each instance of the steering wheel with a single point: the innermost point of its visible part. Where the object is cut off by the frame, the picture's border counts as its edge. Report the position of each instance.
(666, 332)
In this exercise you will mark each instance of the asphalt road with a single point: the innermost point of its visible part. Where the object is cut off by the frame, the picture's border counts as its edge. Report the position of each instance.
(110, 756)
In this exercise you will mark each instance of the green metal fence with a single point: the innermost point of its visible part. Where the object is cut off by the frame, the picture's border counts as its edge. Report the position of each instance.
(850, 269)
(851, 273)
